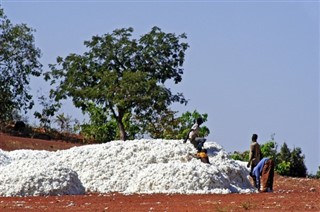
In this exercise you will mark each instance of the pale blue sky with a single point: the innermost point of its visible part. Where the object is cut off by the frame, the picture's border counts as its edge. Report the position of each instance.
(252, 66)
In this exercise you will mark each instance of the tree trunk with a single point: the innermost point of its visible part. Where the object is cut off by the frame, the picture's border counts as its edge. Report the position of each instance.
(122, 131)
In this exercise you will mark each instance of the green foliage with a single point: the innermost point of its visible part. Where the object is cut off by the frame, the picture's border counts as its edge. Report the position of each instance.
(269, 149)
(133, 130)
(166, 126)
(187, 119)
(50, 107)
(318, 173)
(65, 123)
(283, 168)
(244, 156)
(99, 129)
(283, 161)
(123, 76)
(298, 168)
(162, 125)
(285, 153)
(18, 61)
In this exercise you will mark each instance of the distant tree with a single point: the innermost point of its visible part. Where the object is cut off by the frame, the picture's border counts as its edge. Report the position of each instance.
(64, 122)
(19, 59)
(123, 75)
(283, 161)
(297, 168)
(318, 173)
(285, 153)
(50, 107)
(61, 120)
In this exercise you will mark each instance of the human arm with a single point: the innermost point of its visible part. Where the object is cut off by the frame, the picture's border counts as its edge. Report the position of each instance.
(250, 156)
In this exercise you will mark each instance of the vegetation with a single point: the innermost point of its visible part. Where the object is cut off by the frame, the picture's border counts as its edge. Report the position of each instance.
(242, 156)
(169, 127)
(318, 173)
(119, 83)
(50, 107)
(19, 59)
(287, 162)
(124, 77)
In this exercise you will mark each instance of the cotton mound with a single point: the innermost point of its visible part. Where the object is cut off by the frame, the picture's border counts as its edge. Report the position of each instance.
(138, 166)
(33, 178)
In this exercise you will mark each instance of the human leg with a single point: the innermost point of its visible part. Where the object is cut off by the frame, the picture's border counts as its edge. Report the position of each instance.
(271, 175)
(199, 143)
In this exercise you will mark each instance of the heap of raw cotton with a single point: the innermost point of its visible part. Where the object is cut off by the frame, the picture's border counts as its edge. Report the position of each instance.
(138, 166)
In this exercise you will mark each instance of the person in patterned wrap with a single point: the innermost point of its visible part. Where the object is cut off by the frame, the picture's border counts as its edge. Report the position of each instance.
(263, 174)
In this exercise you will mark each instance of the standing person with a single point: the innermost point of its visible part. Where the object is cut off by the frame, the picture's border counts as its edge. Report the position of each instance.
(263, 174)
(193, 135)
(255, 153)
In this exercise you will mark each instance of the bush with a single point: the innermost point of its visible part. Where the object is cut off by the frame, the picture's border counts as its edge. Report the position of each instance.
(283, 168)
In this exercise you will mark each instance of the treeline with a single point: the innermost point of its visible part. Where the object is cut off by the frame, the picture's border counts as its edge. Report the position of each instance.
(288, 162)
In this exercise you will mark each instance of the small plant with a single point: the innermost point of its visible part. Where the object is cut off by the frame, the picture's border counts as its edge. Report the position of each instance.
(247, 205)
(219, 209)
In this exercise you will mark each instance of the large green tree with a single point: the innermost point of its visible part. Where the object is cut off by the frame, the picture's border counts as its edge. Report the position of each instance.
(19, 59)
(123, 75)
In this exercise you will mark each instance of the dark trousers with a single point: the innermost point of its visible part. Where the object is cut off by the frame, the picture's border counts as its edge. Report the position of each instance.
(198, 143)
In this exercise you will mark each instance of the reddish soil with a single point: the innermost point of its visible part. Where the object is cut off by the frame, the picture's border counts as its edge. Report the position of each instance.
(290, 194)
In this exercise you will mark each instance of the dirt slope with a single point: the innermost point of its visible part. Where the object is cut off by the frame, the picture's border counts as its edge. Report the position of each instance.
(290, 194)
(9, 143)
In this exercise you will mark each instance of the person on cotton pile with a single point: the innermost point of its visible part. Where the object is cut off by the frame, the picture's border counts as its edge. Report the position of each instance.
(255, 153)
(193, 135)
(263, 174)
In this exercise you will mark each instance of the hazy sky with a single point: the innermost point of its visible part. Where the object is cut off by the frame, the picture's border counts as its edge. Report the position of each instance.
(252, 66)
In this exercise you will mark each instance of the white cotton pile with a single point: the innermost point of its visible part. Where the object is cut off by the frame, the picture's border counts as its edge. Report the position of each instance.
(138, 166)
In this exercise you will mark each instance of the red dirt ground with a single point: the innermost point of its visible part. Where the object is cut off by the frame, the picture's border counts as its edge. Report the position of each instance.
(290, 194)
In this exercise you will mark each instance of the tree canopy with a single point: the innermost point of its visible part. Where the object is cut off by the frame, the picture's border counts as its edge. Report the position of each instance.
(123, 75)
(19, 59)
